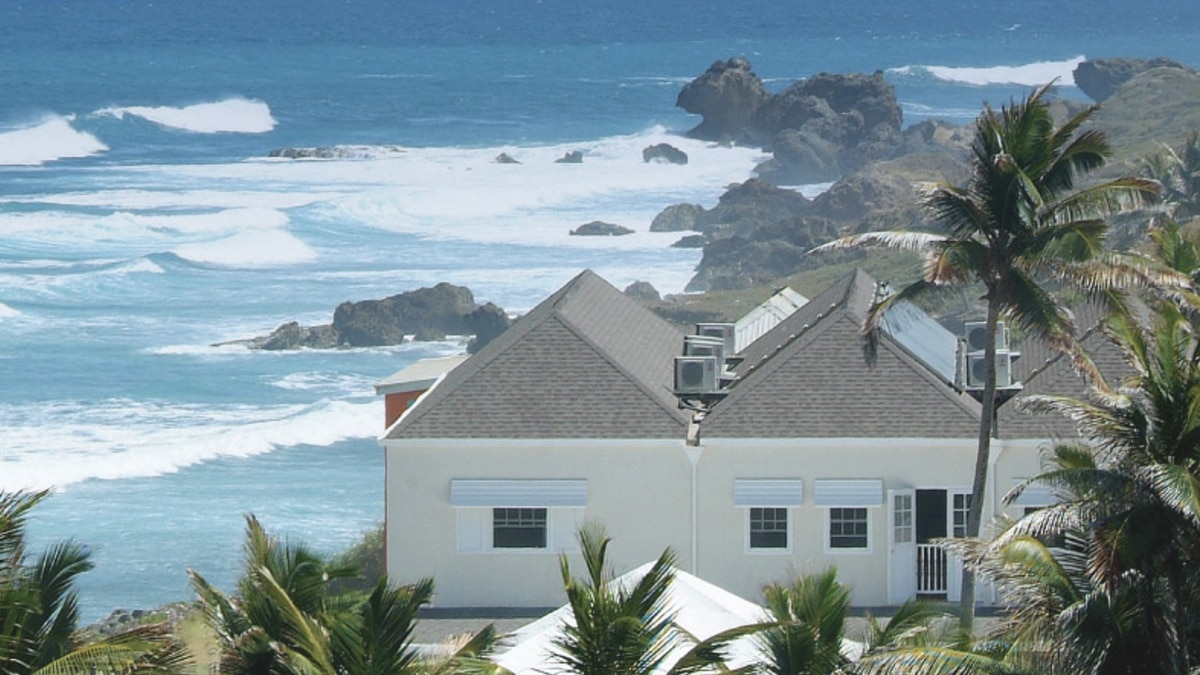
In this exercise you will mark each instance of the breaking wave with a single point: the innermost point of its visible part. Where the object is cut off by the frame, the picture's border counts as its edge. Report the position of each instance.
(235, 115)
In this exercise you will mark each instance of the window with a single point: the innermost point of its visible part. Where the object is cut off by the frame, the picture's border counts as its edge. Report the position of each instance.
(518, 528)
(847, 527)
(767, 502)
(768, 527)
(962, 507)
(902, 518)
(517, 516)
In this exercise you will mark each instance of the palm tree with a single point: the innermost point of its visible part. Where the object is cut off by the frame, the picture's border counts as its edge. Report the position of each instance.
(39, 611)
(1018, 223)
(1179, 174)
(285, 620)
(1132, 495)
(615, 630)
(810, 616)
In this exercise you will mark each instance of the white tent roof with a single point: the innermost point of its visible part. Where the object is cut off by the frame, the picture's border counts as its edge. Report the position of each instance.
(701, 611)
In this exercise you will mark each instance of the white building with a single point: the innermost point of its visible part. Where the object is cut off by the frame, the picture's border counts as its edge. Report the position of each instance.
(809, 457)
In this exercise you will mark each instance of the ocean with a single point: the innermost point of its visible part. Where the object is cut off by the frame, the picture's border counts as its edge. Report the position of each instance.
(142, 221)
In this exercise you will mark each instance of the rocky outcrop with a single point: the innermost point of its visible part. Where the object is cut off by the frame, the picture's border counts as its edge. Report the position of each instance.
(829, 125)
(748, 206)
(818, 129)
(1099, 78)
(338, 152)
(677, 218)
(728, 96)
(505, 158)
(426, 313)
(664, 152)
(642, 290)
(573, 157)
(599, 228)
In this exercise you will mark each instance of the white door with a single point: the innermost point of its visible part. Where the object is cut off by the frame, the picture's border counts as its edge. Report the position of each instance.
(902, 546)
(956, 515)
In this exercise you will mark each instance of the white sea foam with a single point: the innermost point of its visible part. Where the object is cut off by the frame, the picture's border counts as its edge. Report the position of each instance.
(457, 194)
(1029, 74)
(326, 382)
(58, 444)
(249, 249)
(7, 312)
(50, 139)
(234, 115)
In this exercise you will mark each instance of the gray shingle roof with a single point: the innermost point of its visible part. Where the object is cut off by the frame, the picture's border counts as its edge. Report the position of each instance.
(588, 362)
(808, 378)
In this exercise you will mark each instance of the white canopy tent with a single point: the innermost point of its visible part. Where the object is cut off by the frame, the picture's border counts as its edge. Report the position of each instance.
(702, 610)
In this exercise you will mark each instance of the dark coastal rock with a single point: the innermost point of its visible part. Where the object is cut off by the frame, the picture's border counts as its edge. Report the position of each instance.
(426, 313)
(573, 157)
(505, 158)
(292, 335)
(664, 152)
(598, 228)
(1099, 78)
(677, 218)
(728, 96)
(828, 125)
(487, 322)
(338, 152)
(642, 290)
(747, 206)
(818, 129)
(763, 255)
(691, 241)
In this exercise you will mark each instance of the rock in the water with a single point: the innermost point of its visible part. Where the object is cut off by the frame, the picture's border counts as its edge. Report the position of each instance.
(573, 157)
(664, 152)
(691, 241)
(505, 158)
(598, 228)
(677, 218)
(426, 313)
(642, 290)
(728, 95)
(338, 152)
(1099, 78)
(487, 322)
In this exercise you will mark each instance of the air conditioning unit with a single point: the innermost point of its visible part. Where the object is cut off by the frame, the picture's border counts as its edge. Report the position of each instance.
(697, 375)
(976, 371)
(703, 345)
(724, 331)
(975, 334)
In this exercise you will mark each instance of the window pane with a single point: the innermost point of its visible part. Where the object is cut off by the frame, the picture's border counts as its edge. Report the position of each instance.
(518, 528)
(768, 528)
(847, 528)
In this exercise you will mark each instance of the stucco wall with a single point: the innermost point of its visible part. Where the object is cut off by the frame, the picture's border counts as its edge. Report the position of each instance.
(642, 492)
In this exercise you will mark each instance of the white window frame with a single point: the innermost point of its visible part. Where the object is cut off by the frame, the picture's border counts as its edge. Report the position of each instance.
(786, 549)
(768, 493)
(851, 493)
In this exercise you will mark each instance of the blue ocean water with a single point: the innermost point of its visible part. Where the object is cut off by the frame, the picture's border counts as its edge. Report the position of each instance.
(141, 220)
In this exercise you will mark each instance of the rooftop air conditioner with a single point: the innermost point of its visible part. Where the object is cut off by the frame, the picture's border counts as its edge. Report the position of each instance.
(703, 345)
(724, 331)
(976, 371)
(697, 375)
(975, 334)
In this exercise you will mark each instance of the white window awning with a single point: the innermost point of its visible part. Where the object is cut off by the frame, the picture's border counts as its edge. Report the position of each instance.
(507, 492)
(768, 492)
(845, 492)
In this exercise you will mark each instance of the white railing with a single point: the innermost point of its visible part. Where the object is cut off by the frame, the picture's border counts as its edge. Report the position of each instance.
(931, 569)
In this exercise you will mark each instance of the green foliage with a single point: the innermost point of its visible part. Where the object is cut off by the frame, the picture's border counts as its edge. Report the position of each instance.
(287, 619)
(616, 630)
(368, 557)
(39, 611)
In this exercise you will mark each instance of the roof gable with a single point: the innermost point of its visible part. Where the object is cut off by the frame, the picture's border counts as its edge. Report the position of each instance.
(587, 362)
(809, 378)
